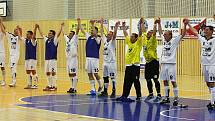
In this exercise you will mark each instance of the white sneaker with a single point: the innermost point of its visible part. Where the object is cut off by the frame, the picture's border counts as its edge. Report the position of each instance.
(13, 84)
(3, 83)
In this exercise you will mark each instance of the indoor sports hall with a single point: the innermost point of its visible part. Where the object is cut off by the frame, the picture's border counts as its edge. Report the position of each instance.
(51, 86)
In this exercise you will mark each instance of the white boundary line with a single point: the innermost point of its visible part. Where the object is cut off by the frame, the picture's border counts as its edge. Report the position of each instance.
(180, 118)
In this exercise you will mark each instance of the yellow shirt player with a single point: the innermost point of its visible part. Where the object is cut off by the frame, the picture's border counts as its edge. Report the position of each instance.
(152, 64)
(132, 60)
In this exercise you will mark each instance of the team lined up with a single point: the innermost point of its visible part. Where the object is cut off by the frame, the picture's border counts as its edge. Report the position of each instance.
(135, 43)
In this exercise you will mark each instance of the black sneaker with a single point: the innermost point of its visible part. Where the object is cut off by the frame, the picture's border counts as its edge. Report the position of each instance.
(103, 94)
(210, 106)
(113, 94)
(157, 99)
(149, 97)
(165, 101)
(175, 102)
(71, 90)
(138, 99)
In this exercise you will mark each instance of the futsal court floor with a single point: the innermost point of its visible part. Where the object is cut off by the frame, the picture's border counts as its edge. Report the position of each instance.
(18, 104)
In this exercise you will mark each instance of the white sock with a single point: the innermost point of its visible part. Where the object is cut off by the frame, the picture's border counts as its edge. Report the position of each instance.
(92, 84)
(49, 80)
(74, 82)
(166, 89)
(99, 82)
(71, 79)
(54, 81)
(3, 74)
(106, 85)
(212, 95)
(113, 84)
(175, 91)
(13, 74)
(29, 80)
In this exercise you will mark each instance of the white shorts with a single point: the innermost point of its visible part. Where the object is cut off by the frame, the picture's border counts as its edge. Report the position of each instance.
(209, 73)
(51, 65)
(92, 65)
(109, 69)
(30, 64)
(13, 61)
(72, 65)
(2, 60)
(168, 72)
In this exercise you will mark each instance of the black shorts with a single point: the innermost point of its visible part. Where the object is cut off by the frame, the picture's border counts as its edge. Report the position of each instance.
(152, 70)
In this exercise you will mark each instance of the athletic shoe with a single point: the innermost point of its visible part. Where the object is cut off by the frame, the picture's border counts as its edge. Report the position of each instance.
(175, 102)
(138, 99)
(113, 94)
(28, 87)
(3, 83)
(92, 92)
(13, 84)
(72, 91)
(53, 89)
(47, 88)
(149, 97)
(34, 87)
(210, 106)
(103, 94)
(165, 100)
(124, 99)
(99, 89)
(157, 99)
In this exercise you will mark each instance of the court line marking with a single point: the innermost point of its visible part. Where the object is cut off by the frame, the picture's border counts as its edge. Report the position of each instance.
(91, 117)
(180, 118)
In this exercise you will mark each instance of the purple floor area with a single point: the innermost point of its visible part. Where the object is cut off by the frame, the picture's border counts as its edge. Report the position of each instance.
(102, 107)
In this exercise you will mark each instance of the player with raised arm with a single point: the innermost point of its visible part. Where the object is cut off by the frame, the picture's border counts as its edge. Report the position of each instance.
(132, 60)
(168, 62)
(2, 53)
(31, 58)
(51, 45)
(109, 63)
(207, 60)
(72, 57)
(92, 56)
(14, 49)
(152, 64)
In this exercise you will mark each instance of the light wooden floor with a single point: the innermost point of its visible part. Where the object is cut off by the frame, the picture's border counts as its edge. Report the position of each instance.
(189, 86)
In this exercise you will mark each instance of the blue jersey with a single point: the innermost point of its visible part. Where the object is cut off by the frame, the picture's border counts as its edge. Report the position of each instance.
(92, 47)
(30, 50)
(51, 49)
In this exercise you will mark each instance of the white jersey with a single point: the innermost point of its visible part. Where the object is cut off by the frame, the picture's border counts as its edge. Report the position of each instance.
(71, 46)
(169, 50)
(14, 44)
(109, 52)
(207, 51)
(2, 50)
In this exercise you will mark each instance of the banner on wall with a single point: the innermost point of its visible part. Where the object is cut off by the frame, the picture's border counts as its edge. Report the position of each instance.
(170, 24)
(120, 34)
(211, 22)
(149, 22)
(73, 25)
(198, 24)
(97, 24)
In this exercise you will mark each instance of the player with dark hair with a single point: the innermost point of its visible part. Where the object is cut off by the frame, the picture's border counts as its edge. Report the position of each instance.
(132, 60)
(168, 62)
(31, 58)
(92, 56)
(51, 45)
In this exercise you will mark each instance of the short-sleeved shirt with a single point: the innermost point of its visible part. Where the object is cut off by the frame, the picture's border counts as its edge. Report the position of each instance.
(71, 46)
(133, 52)
(109, 51)
(169, 49)
(150, 48)
(14, 44)
(207, 51)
